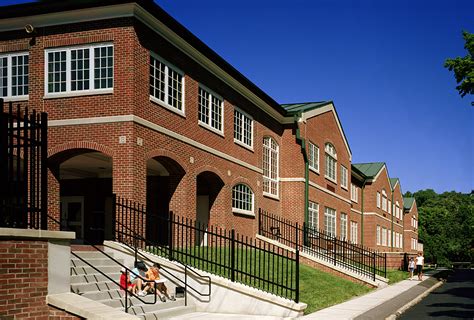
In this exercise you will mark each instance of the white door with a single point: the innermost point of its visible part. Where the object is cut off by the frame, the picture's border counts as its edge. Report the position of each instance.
(202, 218)
(72, 215)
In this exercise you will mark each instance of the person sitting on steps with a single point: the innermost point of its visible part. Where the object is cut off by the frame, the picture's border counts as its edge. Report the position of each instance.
(153, 273)
(136, 278)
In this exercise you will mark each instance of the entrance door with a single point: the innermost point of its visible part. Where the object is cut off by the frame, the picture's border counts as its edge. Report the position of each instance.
(72, 215)
(202, 219)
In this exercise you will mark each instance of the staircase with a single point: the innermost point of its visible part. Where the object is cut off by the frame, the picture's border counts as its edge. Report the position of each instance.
(94, 285)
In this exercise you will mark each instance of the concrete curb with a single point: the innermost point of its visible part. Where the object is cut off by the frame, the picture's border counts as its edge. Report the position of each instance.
(420, 297)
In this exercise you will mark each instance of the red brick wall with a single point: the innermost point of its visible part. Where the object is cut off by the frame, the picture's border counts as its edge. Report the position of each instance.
(24, 281)
(410, 232)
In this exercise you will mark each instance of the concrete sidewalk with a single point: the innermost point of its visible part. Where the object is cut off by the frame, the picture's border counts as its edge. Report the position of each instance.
(378, 304)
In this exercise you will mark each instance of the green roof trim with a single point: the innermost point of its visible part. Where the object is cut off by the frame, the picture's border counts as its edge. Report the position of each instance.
(295, 108)
(370, 170)
(408, 202)
(393, 182)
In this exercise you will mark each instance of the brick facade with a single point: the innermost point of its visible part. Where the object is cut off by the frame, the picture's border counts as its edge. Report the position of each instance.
(24, 281)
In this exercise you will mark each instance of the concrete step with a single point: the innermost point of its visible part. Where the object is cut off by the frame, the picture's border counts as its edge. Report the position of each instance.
(92, 278)
(168, 313)
(90, 254)
(81, 288)
(90, 270)
(103, 295)
(75, 262)
(147, 308)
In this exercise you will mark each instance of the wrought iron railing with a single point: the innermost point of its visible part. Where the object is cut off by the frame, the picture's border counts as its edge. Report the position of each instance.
(216, 250)
(357, 258)
(23, 170)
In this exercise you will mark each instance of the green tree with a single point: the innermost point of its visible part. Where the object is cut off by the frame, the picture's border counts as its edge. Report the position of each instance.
(464, 67)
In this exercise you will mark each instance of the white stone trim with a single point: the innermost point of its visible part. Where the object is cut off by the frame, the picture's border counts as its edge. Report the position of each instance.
(382, 217)
(317, 186)
(356, 211)
(36, 234)
(154, 127)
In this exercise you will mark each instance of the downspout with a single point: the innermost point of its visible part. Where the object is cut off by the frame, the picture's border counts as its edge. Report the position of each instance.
(301, 141)
(391, 234)
(362, 214)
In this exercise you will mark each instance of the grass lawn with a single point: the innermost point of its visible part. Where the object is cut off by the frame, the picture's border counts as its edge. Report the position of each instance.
(395, 276)
(320, 290)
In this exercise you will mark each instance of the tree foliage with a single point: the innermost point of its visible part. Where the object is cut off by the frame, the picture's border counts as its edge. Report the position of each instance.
(446, 225)
(464, 67)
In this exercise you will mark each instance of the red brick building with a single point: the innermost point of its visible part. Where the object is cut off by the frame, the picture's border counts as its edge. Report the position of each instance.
(410, 226)
(140, 107)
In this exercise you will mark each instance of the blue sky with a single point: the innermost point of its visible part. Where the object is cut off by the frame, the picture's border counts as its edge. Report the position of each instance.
(381, 62)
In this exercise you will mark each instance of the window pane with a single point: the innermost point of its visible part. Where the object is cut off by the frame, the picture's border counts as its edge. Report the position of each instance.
(57, 71)
(103, 67)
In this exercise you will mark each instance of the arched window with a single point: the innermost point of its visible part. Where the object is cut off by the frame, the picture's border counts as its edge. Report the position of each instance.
(331, 162)
(270, 166)
(242, 199)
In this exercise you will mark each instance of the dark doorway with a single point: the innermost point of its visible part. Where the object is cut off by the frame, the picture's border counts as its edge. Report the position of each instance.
(163, 177)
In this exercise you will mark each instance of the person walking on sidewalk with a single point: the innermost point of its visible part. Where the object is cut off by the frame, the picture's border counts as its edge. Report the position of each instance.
(419, 265)
(411, 267)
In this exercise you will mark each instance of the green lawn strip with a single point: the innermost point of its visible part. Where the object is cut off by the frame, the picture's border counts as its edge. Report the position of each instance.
(395, 276)
(320, 290)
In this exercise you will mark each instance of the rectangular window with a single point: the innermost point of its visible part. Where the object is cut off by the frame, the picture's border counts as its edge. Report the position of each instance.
(379, 236)
(384, 203)
(85, 69)
(313, 215)
(270, 167)
(384, 236)
(344, 226)
(330, 221)
(166, 84)
(389, 207)
(354, 193)
(343, 177)
(354, 232)
(210, 109)
(389, 237)
(378, 199)
(14, 75)
(243, 128)
(314, 157)
(330, 168)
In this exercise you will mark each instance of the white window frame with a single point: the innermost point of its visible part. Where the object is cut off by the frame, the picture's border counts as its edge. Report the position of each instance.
(354, 193)
(344, 177)
(344, 226)
(313, 157)
(69, 92)
(384, 201)
(378, 235)
(384, 236)
(211, 94)
(313, 215)
(397, 210)
(240, 115)
(389, 208)
(330, 216)
(389, 237)
(378, 200)
(354, 232)
(164, 103)
(9, 56)
(273, 176)
(238, 203)
(331, 162)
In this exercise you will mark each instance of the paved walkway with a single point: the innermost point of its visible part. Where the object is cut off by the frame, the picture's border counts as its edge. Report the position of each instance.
(378, 304)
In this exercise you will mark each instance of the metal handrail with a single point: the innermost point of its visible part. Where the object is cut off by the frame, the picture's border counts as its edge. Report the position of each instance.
(186, 267)
(127, 270)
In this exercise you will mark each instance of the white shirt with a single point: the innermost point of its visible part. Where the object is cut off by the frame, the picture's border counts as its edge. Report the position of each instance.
(419, 260)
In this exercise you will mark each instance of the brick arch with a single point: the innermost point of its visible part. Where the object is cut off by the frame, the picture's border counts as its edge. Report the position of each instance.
(209, 168)
(242, 180)
(166, 153)
(80, 145)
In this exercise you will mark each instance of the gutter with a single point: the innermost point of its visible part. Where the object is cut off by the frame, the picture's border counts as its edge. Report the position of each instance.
(302, 142)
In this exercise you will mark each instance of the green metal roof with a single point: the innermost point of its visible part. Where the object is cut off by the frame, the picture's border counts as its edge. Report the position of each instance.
(408, 202)
(295, 108)
(393, 182)
(370, 170)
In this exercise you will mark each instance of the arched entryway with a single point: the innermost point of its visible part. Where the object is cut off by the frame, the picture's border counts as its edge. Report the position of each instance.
(208, 187)
(85, 193)
(163, 177)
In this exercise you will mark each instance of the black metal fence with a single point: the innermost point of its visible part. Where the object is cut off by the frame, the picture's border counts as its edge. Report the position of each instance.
(215, 250)
(23, 169)
(357, 258)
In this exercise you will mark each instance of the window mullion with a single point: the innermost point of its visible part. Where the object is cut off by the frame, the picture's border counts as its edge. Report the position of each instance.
(9, 76)
(68, 70)
(91, 68)
(166, 89)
